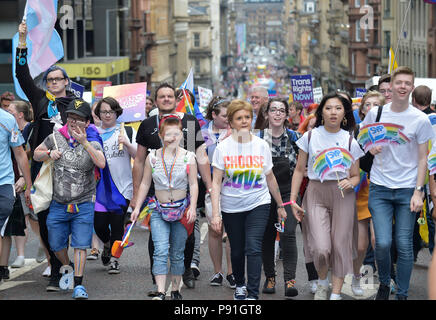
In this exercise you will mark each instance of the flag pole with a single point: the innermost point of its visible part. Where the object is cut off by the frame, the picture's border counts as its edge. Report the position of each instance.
(25, 13)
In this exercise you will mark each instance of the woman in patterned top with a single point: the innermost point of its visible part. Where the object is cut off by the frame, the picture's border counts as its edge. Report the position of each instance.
(284, 155)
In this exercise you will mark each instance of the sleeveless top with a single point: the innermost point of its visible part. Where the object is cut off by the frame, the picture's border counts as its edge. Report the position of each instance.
(179, 174)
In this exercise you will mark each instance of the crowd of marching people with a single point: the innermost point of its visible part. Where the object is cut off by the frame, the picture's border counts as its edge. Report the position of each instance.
(353, 177)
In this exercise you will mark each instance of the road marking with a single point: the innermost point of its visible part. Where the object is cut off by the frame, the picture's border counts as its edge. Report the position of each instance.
(203, 231)
(29, 264)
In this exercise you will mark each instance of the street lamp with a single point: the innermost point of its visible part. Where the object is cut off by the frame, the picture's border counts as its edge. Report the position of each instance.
(117, 28)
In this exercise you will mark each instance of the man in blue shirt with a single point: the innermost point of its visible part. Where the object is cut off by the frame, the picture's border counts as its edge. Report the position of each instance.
(10, 138)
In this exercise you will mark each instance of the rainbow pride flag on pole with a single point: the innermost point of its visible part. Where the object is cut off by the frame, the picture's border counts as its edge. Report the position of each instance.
(185, 105)
(44, 44)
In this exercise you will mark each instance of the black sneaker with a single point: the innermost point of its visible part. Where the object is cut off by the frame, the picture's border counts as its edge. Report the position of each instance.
(4, 273)
(159, 296)
(188, 278)
(231, 279)
(106, 256)
(53, 284)
(383, 292)
(270, 285)
(290, 290)
(217, 279)
(175, 295)
(195, 270)
(114, 268)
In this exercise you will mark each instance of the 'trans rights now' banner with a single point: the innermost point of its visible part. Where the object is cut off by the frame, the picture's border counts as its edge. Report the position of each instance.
(302, 89)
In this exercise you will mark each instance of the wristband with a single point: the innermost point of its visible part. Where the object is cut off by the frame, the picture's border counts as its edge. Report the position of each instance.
(86, 145)
(281, 207)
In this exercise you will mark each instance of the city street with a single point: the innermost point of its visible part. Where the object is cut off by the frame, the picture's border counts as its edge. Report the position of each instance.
(134, 281)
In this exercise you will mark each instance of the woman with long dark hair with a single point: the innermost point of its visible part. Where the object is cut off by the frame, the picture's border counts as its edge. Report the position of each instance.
(330, 200)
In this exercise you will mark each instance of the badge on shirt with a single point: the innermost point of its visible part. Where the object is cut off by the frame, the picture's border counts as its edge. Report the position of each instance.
(14, 136)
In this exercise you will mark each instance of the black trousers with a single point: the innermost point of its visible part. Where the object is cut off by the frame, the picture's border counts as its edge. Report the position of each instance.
(43, 231)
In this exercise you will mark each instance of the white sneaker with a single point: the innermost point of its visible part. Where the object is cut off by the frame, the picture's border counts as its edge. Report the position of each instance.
(47, 272)
(356, 288)
(335, 297)
(313, 285)
(18, 263)
(321, 293)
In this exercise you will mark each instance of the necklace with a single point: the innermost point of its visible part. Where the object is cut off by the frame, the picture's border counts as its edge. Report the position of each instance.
(170, 175)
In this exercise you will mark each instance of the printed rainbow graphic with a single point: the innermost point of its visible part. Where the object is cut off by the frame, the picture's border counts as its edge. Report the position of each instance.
(431, 162)
(331, 160)
(381, 134)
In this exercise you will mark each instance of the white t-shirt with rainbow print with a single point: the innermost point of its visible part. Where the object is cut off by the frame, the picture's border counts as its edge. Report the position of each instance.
(244, 185)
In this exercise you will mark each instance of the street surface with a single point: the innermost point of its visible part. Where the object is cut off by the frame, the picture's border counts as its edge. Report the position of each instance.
(134, 281)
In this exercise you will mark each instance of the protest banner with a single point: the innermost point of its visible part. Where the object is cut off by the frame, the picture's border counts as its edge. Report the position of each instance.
(131, 97)
(302, 89)
(317, 94)
(97, 87)
(77, 89)
(204, 96)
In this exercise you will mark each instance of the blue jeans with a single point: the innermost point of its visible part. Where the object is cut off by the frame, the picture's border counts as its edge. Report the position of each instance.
(61, 224)
(385, 205)
(245, 231)
(169, 238)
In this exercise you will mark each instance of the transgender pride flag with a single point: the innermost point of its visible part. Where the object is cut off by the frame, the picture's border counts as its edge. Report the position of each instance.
(43, 42)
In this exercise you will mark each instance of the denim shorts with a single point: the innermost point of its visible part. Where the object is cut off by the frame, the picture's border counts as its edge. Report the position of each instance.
(7, 199)
(61, 224)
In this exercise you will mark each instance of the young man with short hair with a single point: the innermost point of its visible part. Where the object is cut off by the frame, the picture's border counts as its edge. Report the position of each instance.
(397, 179)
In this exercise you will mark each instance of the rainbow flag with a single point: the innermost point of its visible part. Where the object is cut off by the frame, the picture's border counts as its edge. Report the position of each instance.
(431, 162)
(186, 103)
(44, 44)
(381, 134)
(331, 160)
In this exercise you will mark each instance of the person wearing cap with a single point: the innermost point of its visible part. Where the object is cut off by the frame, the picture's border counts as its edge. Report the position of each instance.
(49, 107)
(76, 149)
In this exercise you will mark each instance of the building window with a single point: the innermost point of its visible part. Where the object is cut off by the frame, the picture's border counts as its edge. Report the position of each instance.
(197, 65)
(366, 34)
(309, 7)
(357, 3)
(387, 43)
(353, 64)
(357, 30)
(368, 69)
(196, 39)
(387, 11)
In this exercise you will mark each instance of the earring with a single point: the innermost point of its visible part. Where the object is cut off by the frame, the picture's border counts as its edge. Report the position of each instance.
(344, 121)
(322, 121)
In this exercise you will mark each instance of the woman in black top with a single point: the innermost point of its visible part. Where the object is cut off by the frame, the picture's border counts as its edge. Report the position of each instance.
(284, 154)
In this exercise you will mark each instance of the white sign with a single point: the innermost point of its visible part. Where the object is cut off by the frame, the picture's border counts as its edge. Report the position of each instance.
(204, 95)
(317, 94)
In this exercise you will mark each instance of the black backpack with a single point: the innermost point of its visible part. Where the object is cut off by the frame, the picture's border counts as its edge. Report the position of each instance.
(367, 160)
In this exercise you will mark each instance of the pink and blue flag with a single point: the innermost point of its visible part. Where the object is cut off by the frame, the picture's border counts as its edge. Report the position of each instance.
(43, 41)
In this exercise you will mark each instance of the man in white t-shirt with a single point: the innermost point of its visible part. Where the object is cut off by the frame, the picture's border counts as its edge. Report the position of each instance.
(397, 179)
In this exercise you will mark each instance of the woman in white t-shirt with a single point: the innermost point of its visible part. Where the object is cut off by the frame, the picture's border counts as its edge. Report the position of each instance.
(109, 215)
(330, 221)
(243, 175)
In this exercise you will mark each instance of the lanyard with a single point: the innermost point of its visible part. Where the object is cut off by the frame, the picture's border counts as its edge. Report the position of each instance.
(169, 177)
